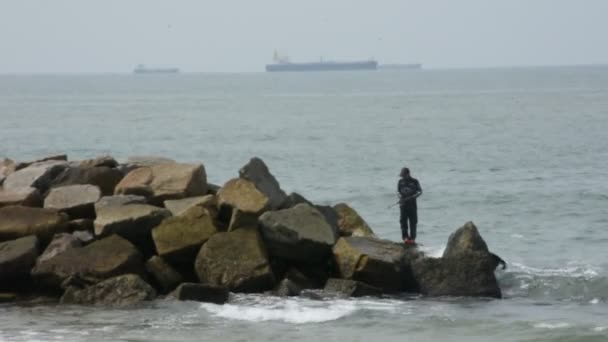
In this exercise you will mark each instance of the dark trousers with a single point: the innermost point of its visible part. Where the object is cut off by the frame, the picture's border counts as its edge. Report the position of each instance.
(408, 213)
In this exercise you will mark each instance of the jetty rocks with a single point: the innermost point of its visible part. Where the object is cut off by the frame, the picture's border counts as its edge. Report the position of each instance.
(100, 232)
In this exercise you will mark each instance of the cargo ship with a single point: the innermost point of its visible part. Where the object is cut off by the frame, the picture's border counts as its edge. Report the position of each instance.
(142, 69)
(284, 64)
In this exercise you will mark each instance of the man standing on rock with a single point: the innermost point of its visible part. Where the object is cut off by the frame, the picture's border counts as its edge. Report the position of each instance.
(409, 189)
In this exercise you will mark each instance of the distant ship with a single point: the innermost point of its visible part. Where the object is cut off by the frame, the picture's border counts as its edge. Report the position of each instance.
(413, 66)
(283, 64)
(142, 69)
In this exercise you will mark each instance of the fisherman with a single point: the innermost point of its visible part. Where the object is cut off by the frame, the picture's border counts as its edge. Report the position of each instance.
(409, 189)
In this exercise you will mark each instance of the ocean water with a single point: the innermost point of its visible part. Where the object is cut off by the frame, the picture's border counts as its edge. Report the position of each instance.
(523, 153)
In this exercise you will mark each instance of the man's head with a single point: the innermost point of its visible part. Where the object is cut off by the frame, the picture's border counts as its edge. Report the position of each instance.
(405, 172)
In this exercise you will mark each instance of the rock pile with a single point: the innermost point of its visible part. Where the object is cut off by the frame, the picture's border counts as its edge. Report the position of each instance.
(101, 232)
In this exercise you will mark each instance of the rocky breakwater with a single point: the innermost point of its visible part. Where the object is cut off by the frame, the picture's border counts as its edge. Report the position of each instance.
(102, 232)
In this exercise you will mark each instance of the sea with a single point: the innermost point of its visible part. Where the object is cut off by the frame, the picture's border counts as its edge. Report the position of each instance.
(521, 152)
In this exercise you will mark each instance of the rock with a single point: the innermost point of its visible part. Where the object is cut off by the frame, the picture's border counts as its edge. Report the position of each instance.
(106, 178)
(75, 200)
(294, 283)
(350, 288)
(294, 199)
(84, 236)
(7, 297)
(58, 157)
(201, 293)
(179, 206)
(241, 219)
(236, 260)
(466, 268)
(134, 162)
(39, 176)
(102, 259)
(164, 181)
(17, 221)
(331, 216)
(379, 263)
(300, 233)
(17, 257)
(212, 189)
(117, 201)
(179, 238)
(60, 243)
(27, 197)
(122, 290)
(350, 223)
(470, 275)
(466, 239)
(257, 172)
(81, 225)
(7, 166)
(131, 221)
(243, 195)
(166, 277)
(107, 161)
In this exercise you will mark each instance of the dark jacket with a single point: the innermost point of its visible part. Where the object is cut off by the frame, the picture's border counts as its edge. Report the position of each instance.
(409, 189)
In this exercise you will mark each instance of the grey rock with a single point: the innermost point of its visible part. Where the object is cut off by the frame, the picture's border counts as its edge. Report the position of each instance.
(300, 233)
(165, 275)
(106, 178)
(17, 257)
(236, 260)
(379, 263)
(75, 200)
(131, 221)
(294, 199)
(54, 158)
(84, 236)
(117, 201)
(350, 223)
(27, 197)
(39, 176)
(350, 288)
(18, 221)
(119, 291)
(107, 161)
(60, 243)
(161, 182)
(465, 239)
(201, 293)
(102, 259)
(257, 172)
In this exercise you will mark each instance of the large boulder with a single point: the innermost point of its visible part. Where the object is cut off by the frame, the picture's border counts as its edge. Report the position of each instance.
(18, 221)
(350, 288)
(350, 223)
(166, 276)
(132, 221)
(120, 291)
(17, 257)
(135, 162)
(236, 260)
(117, 201)
(180, 206)
(242, 194)
(104, 177)
(379, 263)
(257, 172)
(294, 283)
(165, 181)
(201, 293)
(52, 158)
(60, 243)
(105, 160)
(465, 269)
(179, 238)
(300, 233)
(102, 259)
(39, 176)
(75, 200)
(294, 199)
(27, 197)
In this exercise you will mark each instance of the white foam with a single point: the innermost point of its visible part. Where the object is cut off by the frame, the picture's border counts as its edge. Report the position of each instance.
(517, 236)
(594, 301)
(547, 325)
(600, 329)
(434, 252)
(573, 271)
(289, 311)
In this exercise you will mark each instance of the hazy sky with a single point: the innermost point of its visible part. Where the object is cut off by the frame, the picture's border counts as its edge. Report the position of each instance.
(230, 35)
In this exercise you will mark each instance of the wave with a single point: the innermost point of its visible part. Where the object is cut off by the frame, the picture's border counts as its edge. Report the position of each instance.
(583, 284)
